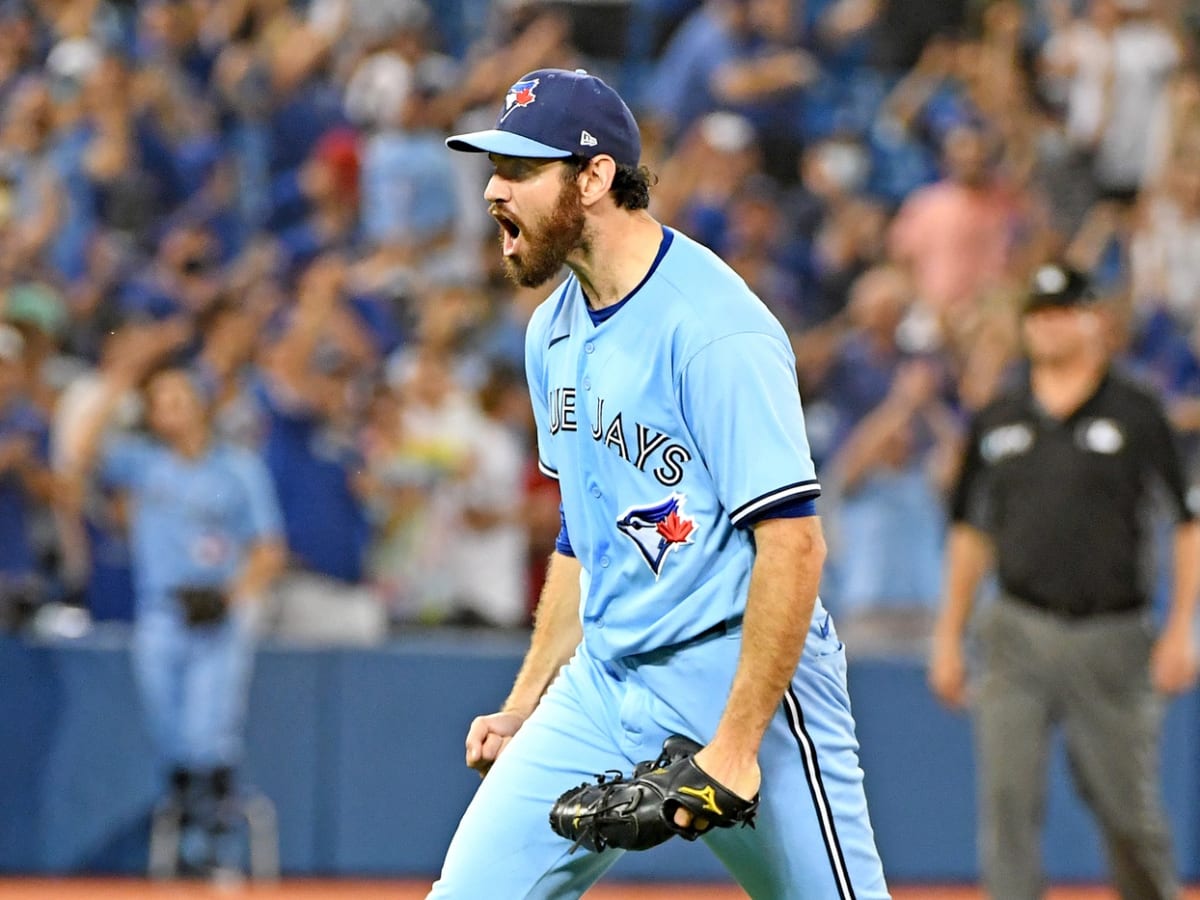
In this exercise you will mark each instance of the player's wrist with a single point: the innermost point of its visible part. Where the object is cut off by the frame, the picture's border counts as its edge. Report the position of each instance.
(737, 753)
(948, 630)
(522, 710)
(1178, 627)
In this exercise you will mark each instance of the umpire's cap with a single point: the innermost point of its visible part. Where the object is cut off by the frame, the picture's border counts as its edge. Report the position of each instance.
(1058, 287)
(556, 113)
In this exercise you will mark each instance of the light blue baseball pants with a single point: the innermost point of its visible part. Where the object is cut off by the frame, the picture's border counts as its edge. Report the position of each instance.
(194, 684)
(813, 839)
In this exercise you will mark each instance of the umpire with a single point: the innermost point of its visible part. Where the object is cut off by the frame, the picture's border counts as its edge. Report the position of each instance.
(1055, 484)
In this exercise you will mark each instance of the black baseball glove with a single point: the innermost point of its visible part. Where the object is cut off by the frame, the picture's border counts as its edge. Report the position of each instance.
(203, 605)
(638, 813)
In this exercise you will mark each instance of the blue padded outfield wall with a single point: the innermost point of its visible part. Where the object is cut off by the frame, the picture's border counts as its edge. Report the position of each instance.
(361, 751)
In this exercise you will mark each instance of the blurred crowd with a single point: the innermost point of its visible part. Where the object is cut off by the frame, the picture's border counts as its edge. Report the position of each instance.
(258, 189)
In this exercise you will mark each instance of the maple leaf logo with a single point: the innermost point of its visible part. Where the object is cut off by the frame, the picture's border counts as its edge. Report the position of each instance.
(674, 529)
(520, 94)
(657, 529)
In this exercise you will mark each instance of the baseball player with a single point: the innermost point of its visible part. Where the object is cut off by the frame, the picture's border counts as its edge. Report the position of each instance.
(206, 540)
(681, 601)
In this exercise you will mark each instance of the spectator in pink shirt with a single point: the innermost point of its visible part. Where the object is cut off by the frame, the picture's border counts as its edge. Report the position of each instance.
(955, 235)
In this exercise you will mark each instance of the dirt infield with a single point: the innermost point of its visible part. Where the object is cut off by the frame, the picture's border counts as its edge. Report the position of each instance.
(133, 889)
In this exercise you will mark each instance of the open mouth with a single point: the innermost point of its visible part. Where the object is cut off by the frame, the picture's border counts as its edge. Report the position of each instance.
(510, 232)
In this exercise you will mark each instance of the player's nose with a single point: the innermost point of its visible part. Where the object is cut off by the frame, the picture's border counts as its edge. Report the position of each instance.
(498, 190)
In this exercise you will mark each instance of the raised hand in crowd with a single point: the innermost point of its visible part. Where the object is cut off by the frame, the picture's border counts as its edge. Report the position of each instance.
(148, 346)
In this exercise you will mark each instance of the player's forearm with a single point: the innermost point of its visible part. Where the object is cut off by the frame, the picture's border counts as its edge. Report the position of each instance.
(968, 555)
(863, 449)
(1186, 575)
(14, 454)
(556, 634)
(292, 357)
(263, 565)
(79, 454)
(783, 591)
(38, 480)
(747, 81)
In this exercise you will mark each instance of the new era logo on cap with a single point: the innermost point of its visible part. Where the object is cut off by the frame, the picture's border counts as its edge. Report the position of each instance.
(556, 113)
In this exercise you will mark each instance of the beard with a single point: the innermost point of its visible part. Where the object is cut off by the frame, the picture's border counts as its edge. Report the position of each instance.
(549, 241)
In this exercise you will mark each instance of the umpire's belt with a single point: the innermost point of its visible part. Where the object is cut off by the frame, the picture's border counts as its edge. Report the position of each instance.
(715, 631)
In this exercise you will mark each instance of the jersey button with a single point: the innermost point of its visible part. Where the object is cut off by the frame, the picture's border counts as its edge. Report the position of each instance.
(589, 347)
(587, 384)
(604, 562)
(596, 492)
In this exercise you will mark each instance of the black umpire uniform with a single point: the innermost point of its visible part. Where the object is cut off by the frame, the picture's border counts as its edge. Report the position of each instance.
(1064, 502)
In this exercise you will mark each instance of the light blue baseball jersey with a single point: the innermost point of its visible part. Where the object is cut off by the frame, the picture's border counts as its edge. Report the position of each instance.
(192, 520)
(672, 423)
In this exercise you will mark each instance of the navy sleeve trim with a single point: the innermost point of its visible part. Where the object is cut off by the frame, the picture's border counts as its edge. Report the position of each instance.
(784, 509)
(547, 471)
(800, 490)
(562, 543)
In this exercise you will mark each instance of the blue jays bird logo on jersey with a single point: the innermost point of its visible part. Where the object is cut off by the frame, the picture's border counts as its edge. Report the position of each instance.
(520, 94)
(657, 530)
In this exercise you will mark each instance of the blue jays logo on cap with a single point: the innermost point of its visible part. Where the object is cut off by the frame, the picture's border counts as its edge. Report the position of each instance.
(557, 113)
(658, 529)
(519, 95)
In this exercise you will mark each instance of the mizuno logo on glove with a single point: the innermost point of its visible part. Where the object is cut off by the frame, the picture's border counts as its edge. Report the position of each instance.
(637, 813)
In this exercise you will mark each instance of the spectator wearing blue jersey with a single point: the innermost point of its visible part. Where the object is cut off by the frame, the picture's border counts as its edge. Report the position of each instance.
(94, 545)
(711, 166)
(906, 135)
(112, 183)
(326, 192)
(207, 542)
(680, 90)
(892, 471)
(36, 309)
(76, 213)
(868, 352)
(840, 229)
(223, 368)
(847, 95)
(24, 481)
(182, 278)
(35, 201)
(769, 82)
(409, 195)
(313, 410)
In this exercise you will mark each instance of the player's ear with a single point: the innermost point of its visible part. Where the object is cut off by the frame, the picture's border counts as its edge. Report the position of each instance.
(595, 178)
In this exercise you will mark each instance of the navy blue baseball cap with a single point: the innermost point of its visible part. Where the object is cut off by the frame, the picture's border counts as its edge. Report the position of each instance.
(556, 113)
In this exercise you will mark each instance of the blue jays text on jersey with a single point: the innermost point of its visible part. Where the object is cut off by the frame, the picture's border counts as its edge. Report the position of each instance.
(668, 425)
(638, 453)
